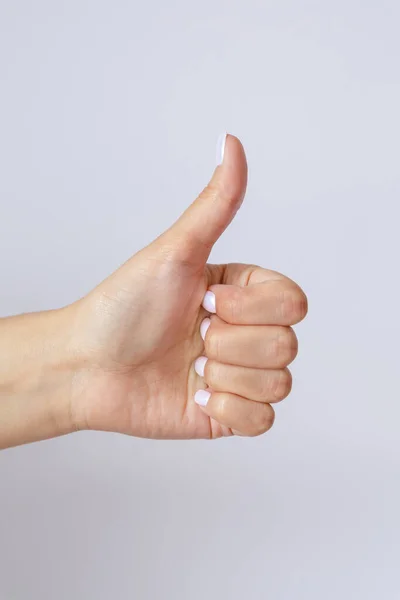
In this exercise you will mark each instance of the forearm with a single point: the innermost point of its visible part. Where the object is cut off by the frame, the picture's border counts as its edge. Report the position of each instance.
(36, 377)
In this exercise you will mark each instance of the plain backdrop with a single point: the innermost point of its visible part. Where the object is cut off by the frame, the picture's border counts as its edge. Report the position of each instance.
(109, 114)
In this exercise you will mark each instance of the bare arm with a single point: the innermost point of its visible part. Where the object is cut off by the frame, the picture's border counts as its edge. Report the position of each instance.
(36, 375)
(168, 346)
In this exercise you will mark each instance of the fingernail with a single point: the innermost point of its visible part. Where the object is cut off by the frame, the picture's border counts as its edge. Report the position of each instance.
(201, 397)
(221, 149)
(209, 302)
(199, 365)
(203, 327)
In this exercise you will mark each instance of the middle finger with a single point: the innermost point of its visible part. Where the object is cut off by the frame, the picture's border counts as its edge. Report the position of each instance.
(256, 346)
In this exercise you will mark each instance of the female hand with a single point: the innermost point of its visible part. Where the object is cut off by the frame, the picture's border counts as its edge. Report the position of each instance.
(166, 347)
(142, 334)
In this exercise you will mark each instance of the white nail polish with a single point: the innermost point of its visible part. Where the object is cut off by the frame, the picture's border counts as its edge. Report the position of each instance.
(200, 364)
(204, 327)
(209, 302)
(221, 149)
(201, 397)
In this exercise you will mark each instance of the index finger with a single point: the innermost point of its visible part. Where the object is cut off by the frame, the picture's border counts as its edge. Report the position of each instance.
(270, 302)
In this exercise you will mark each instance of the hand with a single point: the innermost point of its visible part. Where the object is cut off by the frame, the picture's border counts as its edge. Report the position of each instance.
(139, 332)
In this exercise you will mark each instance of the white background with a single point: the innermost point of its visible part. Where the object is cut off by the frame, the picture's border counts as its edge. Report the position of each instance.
(109, 112)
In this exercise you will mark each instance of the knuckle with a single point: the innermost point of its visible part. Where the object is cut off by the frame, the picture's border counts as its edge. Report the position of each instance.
(233, 307)
(211, 191)
(213, 343)
(283, 385)
(294, 305)
(265, 420)
(223, 190)
(287, 346)
(264, 385)
(221, 408)
(211, 372)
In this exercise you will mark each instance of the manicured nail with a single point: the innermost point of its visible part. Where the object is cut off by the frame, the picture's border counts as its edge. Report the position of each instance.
(221, 149)
(203, 327)
(209, 302)
(200, 364)
(201, 397)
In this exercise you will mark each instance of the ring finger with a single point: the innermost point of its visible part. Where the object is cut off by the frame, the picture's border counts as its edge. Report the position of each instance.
(261, 385)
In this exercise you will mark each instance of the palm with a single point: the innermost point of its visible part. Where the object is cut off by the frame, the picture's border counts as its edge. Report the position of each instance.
(147, 321)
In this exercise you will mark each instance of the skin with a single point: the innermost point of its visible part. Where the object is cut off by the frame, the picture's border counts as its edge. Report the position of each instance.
(122, 358)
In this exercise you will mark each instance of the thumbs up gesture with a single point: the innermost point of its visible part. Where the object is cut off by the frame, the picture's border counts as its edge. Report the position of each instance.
(170, 346)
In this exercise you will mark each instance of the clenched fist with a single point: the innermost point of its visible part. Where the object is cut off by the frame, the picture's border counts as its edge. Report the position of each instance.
(168, 346)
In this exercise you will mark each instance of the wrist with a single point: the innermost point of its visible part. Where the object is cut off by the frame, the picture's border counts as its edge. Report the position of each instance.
(61, 365)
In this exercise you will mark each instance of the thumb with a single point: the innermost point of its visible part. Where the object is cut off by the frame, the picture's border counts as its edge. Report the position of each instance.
(197, 230)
